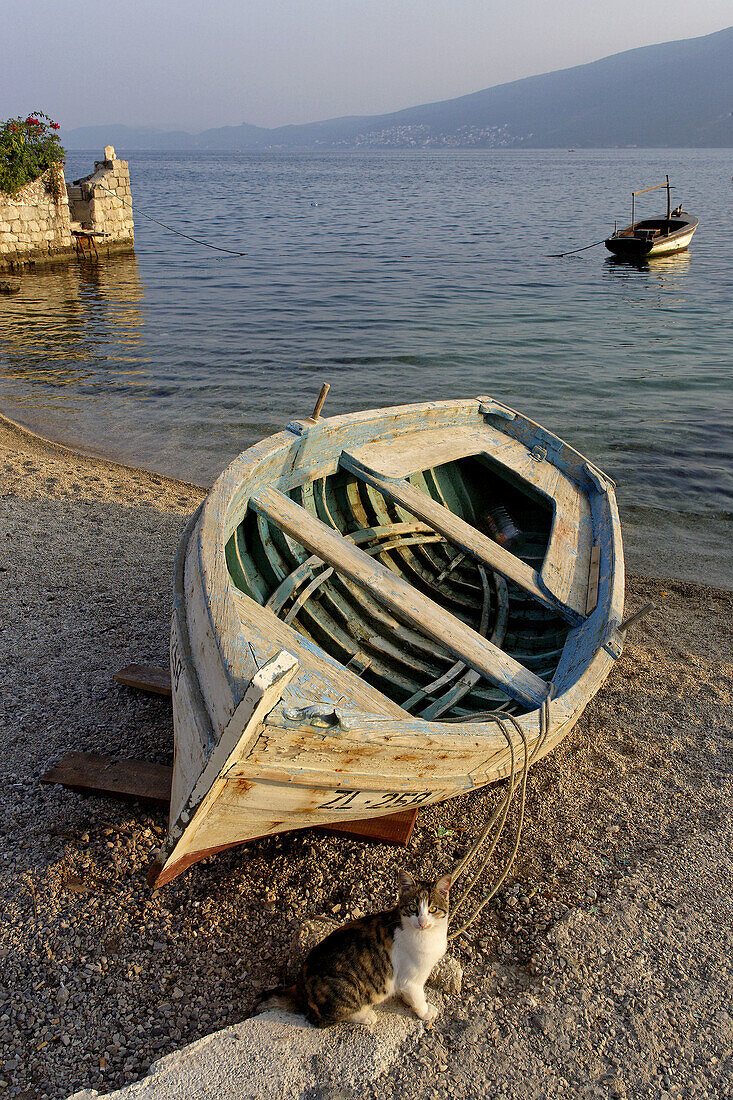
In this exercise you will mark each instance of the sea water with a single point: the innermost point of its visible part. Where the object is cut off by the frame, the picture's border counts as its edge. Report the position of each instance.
(402, 277)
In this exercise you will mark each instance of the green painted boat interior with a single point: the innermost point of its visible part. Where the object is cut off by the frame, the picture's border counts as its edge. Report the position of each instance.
(347, 623)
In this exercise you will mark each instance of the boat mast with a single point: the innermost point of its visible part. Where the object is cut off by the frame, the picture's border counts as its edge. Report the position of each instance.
(645, 191)
(669, 203)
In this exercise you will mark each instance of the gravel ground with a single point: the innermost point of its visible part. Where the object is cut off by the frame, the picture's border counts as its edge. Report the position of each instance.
(603, 969)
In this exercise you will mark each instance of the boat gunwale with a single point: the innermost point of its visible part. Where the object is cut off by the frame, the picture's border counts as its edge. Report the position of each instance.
(457, 757)
(216, 523)
(625, 241)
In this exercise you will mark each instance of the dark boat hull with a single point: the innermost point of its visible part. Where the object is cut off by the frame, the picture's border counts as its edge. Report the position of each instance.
(649, 239)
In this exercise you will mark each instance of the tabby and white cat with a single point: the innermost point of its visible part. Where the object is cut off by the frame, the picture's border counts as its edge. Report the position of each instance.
(373, 958)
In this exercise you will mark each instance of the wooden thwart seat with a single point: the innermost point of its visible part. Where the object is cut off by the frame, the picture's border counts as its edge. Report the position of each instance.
(457, 531)
(398, 596)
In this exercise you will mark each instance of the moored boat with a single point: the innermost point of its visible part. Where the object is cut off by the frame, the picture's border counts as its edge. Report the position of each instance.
(361, 597)
(643, 240)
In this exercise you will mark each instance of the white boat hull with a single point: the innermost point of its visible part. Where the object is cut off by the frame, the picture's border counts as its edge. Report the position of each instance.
(669, 247)
(272, 734)
(631, 244)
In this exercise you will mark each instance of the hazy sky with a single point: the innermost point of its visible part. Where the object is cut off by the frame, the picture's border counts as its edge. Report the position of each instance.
(192, 64)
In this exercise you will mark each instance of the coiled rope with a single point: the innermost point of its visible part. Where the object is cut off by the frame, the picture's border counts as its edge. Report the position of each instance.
(497, 821)
(516, 781)
(170, 228)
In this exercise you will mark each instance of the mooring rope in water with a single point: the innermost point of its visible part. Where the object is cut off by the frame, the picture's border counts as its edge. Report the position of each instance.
(170, 228)
(500, 815)
(559, 255)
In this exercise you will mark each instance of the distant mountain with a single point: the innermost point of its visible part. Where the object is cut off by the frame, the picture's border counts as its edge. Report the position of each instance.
(675, 94)
(135, 139)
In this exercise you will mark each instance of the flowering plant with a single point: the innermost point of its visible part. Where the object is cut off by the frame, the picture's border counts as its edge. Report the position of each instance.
(30, 147)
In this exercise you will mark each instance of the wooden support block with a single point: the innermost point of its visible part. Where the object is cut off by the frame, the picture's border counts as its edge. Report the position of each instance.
(148, 782)
(145, 678)
(96, 774)
(393, 829)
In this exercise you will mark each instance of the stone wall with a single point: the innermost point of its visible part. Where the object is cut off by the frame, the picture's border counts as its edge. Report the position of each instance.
(100, 202)
(93, 216)
(33, 223)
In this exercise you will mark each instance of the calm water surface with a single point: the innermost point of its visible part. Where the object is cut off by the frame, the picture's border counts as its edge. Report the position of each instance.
(396, 278)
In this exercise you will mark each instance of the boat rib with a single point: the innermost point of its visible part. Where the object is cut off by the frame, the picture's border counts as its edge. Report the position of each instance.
(345, 630)
(401, 598)
(474, 542)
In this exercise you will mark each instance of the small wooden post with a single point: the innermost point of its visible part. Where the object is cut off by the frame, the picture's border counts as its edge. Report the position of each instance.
(637, 615)
(669, 204)
(319, 403)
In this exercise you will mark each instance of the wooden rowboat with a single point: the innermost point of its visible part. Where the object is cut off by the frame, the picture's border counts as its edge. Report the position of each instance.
(652, 237)
(359, 596)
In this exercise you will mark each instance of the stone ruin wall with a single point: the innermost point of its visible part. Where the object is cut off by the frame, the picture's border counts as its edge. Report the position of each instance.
(33, 223)
(92, 215)
(101, 202)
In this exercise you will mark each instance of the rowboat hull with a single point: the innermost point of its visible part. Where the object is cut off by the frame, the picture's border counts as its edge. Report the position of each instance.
(628, 246)
(275, 729)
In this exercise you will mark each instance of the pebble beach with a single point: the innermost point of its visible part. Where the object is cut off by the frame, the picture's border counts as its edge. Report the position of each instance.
(603, 968)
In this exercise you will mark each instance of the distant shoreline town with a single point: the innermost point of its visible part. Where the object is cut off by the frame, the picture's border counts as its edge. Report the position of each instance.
(673, 95)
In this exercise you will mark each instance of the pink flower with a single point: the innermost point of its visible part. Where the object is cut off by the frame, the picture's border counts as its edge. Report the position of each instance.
(55, 126)
(33, 121)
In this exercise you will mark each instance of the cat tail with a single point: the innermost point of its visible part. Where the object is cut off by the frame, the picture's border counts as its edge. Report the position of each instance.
(284, 997)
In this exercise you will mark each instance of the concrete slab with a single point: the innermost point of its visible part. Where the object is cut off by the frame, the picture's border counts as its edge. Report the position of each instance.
(274, 1055)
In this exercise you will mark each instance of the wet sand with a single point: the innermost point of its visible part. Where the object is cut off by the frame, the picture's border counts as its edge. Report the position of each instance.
(603, 968)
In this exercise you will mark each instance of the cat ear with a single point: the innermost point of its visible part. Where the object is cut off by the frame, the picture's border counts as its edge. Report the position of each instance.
(443, 885)
(406, 882)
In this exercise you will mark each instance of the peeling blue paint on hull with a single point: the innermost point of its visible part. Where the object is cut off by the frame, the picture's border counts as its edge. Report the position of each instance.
(361, 597)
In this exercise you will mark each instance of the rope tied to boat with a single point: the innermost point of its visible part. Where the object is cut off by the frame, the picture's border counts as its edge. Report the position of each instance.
(517, 781)
(559, 255)
(137, 210)
(518, 775)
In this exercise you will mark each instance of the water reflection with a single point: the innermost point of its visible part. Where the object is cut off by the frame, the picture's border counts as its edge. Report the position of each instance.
(67, 324)
(658, 284)
(665, 267)
(394, 290)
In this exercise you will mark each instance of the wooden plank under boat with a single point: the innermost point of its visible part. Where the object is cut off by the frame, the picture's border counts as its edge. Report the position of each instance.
(347, 621)
(652, 237)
